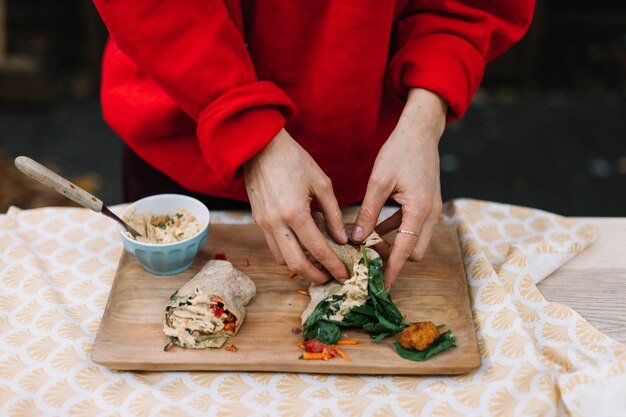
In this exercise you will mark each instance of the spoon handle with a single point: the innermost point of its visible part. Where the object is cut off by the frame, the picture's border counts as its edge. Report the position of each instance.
(58, 183)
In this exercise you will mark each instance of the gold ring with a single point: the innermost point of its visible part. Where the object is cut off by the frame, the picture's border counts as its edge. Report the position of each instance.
(408, 232)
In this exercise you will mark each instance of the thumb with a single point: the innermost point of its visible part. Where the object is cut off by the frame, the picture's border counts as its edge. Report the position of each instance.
(373, 203)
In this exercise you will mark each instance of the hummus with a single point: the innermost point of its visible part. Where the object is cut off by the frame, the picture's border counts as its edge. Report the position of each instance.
(168, 228)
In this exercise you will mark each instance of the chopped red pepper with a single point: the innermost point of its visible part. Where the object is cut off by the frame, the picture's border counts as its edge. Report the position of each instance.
(217, 310)
(220, 256)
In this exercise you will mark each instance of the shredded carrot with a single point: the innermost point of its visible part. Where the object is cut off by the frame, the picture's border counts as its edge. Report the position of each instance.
(246, 261)
(314, 356)
(292, 275)
(341, 354)
(302, 292)
(326, 352)
(348, 342)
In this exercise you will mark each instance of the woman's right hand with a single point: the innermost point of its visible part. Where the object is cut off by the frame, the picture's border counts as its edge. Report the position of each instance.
(281, 181)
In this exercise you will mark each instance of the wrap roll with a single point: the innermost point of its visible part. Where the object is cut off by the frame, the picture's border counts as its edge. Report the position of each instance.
(354, 290)
(210, 308)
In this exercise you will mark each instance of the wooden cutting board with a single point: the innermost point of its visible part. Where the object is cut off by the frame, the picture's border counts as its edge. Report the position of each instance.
(130, 336)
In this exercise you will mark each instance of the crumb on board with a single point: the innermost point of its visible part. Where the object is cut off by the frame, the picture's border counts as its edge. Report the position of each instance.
(221, 256)
(296, 330)
(232, 348)
(292, 275)
(246, 261)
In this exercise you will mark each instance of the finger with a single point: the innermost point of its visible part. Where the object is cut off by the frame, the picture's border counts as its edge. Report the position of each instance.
(412, 220)
(400, 252)
(424, 237)
(384, 248)
(271, 242)
(313, 240)
(294, 257)
(330, 208)
(373, 202)
(390, 223)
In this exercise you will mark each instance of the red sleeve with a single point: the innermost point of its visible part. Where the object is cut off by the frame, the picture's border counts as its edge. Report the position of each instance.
(196, 54)
(443, 45)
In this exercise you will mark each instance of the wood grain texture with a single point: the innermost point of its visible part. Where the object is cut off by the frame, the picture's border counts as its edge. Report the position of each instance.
(131, 337)
(594, 282)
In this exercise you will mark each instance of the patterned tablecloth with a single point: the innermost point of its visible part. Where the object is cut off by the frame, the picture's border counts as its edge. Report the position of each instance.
(538, 358)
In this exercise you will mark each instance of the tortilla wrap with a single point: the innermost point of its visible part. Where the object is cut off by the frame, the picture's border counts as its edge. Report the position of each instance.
(210, 308)
(354, 290)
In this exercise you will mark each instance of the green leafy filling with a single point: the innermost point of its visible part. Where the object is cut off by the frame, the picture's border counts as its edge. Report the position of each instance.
(379, 317)
(445, 341)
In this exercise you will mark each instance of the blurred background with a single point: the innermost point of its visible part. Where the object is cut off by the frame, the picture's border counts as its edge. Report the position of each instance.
(547, 129)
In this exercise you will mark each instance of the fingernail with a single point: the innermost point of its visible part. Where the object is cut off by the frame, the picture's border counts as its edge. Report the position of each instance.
(357, 233)
(344, 235)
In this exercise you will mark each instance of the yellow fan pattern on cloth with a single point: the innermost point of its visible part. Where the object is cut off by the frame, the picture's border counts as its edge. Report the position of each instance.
(538, 358)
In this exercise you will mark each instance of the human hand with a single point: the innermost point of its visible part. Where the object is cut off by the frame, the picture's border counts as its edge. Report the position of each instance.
(281, 182)
(407, 170)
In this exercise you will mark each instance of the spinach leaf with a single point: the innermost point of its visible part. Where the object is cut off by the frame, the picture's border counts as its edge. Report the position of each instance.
(324, 331)
(387, 319)
(319, 327)
(359, 316)
(382, 325)
(366, 261)
(173, 296)
(381, 336)
(380, 298)
(445, 341)
(321, 310)
(366, 309)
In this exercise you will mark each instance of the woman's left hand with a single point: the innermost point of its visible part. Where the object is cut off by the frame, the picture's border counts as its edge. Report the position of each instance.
(407, 170)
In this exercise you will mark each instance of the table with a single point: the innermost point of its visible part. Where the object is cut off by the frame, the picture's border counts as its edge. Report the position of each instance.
(539, 357)
(594, 282)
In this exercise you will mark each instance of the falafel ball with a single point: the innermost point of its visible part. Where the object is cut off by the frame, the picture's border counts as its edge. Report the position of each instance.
(420, 335)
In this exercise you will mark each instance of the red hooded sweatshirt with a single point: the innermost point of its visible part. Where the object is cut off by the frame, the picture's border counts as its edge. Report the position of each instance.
(198, 87)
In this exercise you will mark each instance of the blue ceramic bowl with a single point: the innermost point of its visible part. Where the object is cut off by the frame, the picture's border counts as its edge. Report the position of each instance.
(168, 258)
